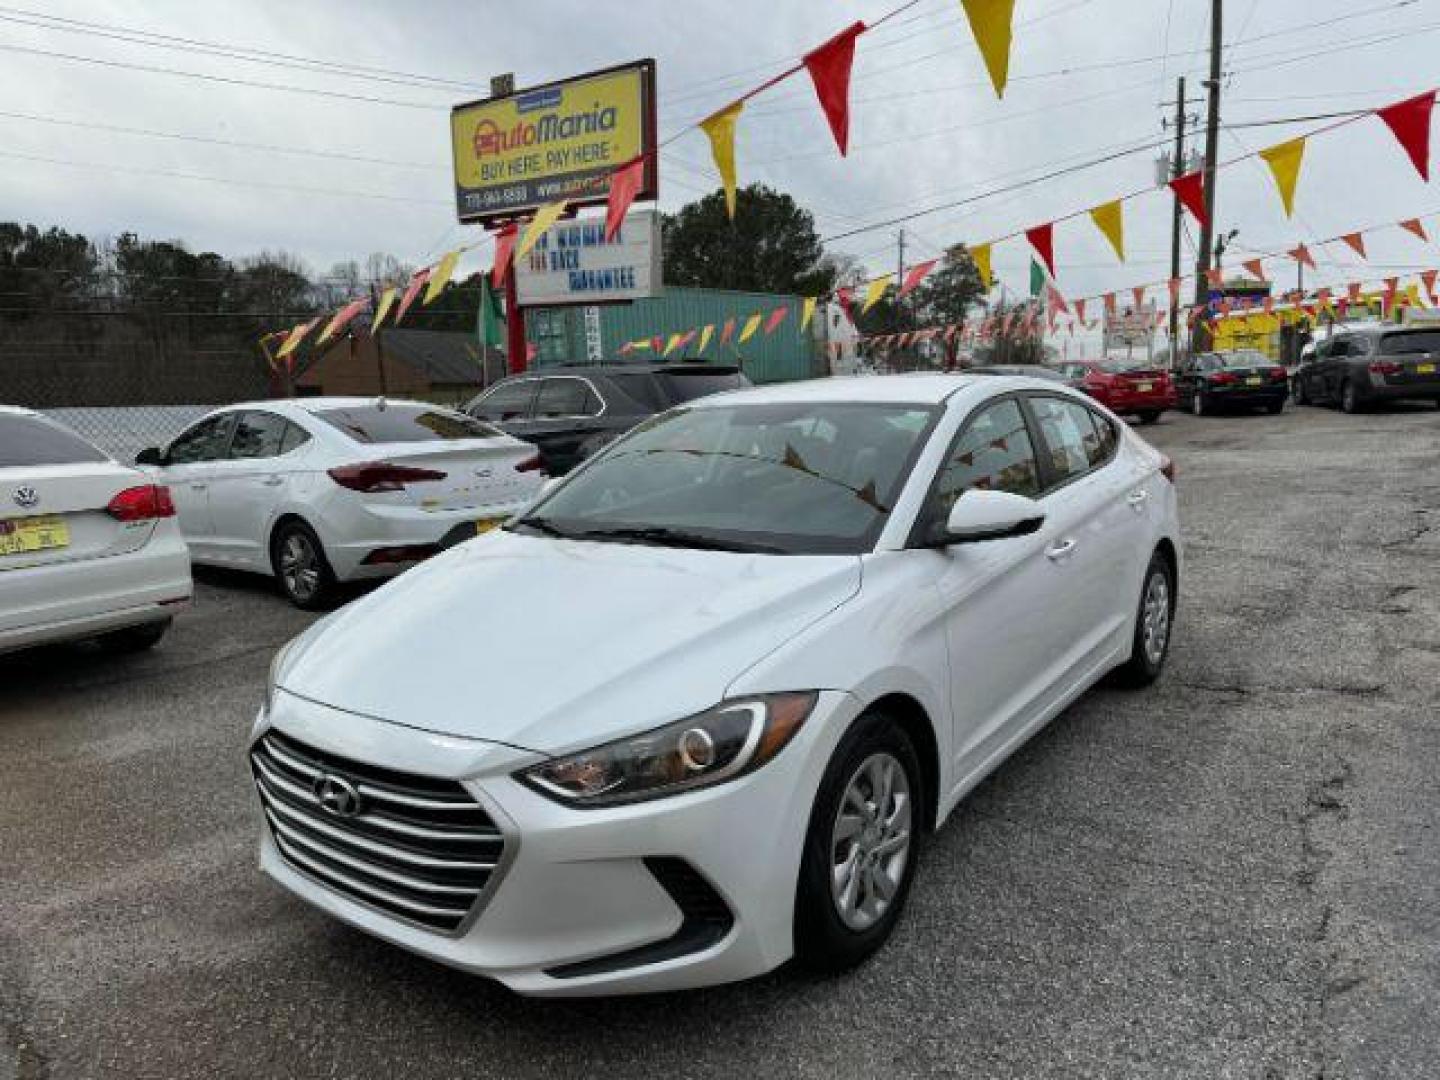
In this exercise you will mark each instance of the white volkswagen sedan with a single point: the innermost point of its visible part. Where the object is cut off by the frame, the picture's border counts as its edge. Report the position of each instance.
(321, 490)
(694, 712)
(88, 547)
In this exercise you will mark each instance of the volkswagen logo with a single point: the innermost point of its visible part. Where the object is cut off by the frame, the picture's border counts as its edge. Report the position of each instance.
(337, 795)
(26, 497)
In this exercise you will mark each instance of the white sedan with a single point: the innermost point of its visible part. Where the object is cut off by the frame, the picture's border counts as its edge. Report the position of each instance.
(695, 711)
(321, 490)
(88, 547)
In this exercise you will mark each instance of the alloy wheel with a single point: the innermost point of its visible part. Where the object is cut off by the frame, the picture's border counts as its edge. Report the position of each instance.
(870, 841)
(1155, 618)
(299, 566)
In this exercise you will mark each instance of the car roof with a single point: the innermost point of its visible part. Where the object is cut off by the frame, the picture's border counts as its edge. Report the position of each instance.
(18, 410)
(682, 367)
(920, 388)
(319, 404)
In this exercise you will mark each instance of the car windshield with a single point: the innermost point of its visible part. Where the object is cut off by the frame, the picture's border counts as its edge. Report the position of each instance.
(404, 422)
(1244, 358)
(783, 478)
(1123, 364)
(1410, 341)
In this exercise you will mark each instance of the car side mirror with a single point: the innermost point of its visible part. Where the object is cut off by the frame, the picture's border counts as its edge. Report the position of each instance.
(991, 515)
(150, 456)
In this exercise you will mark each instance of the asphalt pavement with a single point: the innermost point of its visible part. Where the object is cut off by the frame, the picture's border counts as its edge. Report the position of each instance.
(1233, 874)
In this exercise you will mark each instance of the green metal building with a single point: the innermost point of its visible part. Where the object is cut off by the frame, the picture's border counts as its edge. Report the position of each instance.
(577, 334)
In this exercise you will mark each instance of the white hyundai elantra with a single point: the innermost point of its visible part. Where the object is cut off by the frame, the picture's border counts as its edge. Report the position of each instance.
(322, 490)
(693, 713)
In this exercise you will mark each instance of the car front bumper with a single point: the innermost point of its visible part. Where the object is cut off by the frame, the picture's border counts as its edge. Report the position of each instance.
(576, 886)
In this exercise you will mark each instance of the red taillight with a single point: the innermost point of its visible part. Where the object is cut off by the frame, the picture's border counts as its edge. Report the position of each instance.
(1278, 373)
(1167, 468)
(1385, 367)
(530, 464)
(373, 476)
(144, 503)
(1223, 378)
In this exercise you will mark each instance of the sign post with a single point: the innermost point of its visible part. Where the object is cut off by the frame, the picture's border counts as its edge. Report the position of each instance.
(516, 151)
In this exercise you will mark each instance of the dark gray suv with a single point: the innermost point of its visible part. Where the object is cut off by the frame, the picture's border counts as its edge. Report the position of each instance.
(1356, 368)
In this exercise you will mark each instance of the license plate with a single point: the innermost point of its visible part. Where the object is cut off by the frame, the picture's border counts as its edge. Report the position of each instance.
(1424, 369)
(485, 525)
(1254, 380)
(19, 535)
(1144, 387)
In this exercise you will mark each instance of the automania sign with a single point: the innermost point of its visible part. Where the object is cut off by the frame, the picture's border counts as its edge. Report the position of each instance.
(560, 140)
(573, 263)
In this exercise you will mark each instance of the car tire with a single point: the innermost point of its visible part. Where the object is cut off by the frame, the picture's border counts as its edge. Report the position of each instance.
(1349, 401)
(1149, 416)
(135, 639)
(1198, 405)
(301, 569)
(831, 933)
(1298, 393)
(1154, 617)
(1275, 408)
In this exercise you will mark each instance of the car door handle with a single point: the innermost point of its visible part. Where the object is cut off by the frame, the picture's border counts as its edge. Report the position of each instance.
(1137, 499)
(1063, 549)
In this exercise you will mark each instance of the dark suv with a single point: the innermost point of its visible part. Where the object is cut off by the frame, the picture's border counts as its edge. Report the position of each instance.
(1355, 368)
(571, 412)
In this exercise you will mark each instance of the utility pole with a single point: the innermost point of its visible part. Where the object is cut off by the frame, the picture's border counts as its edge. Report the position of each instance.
(1212, 140)
(1177, 164)
(899, 276)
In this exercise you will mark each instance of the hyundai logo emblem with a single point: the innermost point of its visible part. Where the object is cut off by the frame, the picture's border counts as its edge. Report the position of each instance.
(26, 496)
(337, 795)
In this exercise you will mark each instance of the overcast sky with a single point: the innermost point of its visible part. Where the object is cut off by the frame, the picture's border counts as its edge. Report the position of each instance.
(1087, 78)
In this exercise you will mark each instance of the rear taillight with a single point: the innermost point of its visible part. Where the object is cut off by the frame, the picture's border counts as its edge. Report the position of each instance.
(1167, 468)
(1385, 367)
(144, 503)
(534, 463)
(371, 476)
(1223, 378)
(1278, 373)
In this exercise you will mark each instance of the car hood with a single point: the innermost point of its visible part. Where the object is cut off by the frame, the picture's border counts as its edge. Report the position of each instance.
(553, 645)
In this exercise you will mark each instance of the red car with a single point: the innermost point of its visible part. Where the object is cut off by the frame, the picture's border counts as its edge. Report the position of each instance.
(1127, 387)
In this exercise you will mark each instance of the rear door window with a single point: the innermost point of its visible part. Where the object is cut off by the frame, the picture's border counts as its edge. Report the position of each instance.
(258, 435)
(295, 437)
(508, 401)
(35, 440)
(1071, 442)
(1410, 341)
(400, 423)
(564, 397)
(994, 453)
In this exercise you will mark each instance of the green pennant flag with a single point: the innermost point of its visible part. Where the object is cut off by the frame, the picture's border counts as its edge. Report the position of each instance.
(1037, 278)
(490, 319)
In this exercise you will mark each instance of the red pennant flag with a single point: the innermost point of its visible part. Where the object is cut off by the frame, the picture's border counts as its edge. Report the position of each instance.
(1356, 241)
(829, 68)
(1409, 122)
(1042, 239)
(686, 338)
(843, 296)
(657, 344)
(1109, 303)
(417, 282)
(1428, 277)
(1080, 310)
(1301, 255)
(1215, 276)
(776, 318)
(504, 249)
(1412, 225)
(916, 275)
(1269, 305)
(1190, 190)
(1139, 293)
(1255, 268)
(1353, 292)
(727, 331)
(1392, 286)
(1341, 307)
(625, 184)
(1055, 301)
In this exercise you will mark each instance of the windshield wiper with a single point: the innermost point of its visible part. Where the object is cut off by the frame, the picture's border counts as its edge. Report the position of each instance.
(661, 536)
(544, 525)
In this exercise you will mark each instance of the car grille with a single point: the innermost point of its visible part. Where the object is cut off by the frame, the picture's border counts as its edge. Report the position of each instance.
(416, 848)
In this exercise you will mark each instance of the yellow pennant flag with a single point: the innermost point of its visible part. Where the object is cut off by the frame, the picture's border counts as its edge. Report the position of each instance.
(990, 22)
(671, 344)
(874, 291)
(1109, 218)
(807, 312)
(539, 225)
(751, 325)
(443, 269)
(705, 333)
(296, 336)
(720, 127)
(387, 298)
(1284, 161)
(980, 256)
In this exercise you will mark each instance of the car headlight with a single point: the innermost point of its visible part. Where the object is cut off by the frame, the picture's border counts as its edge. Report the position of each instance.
(719, 744)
